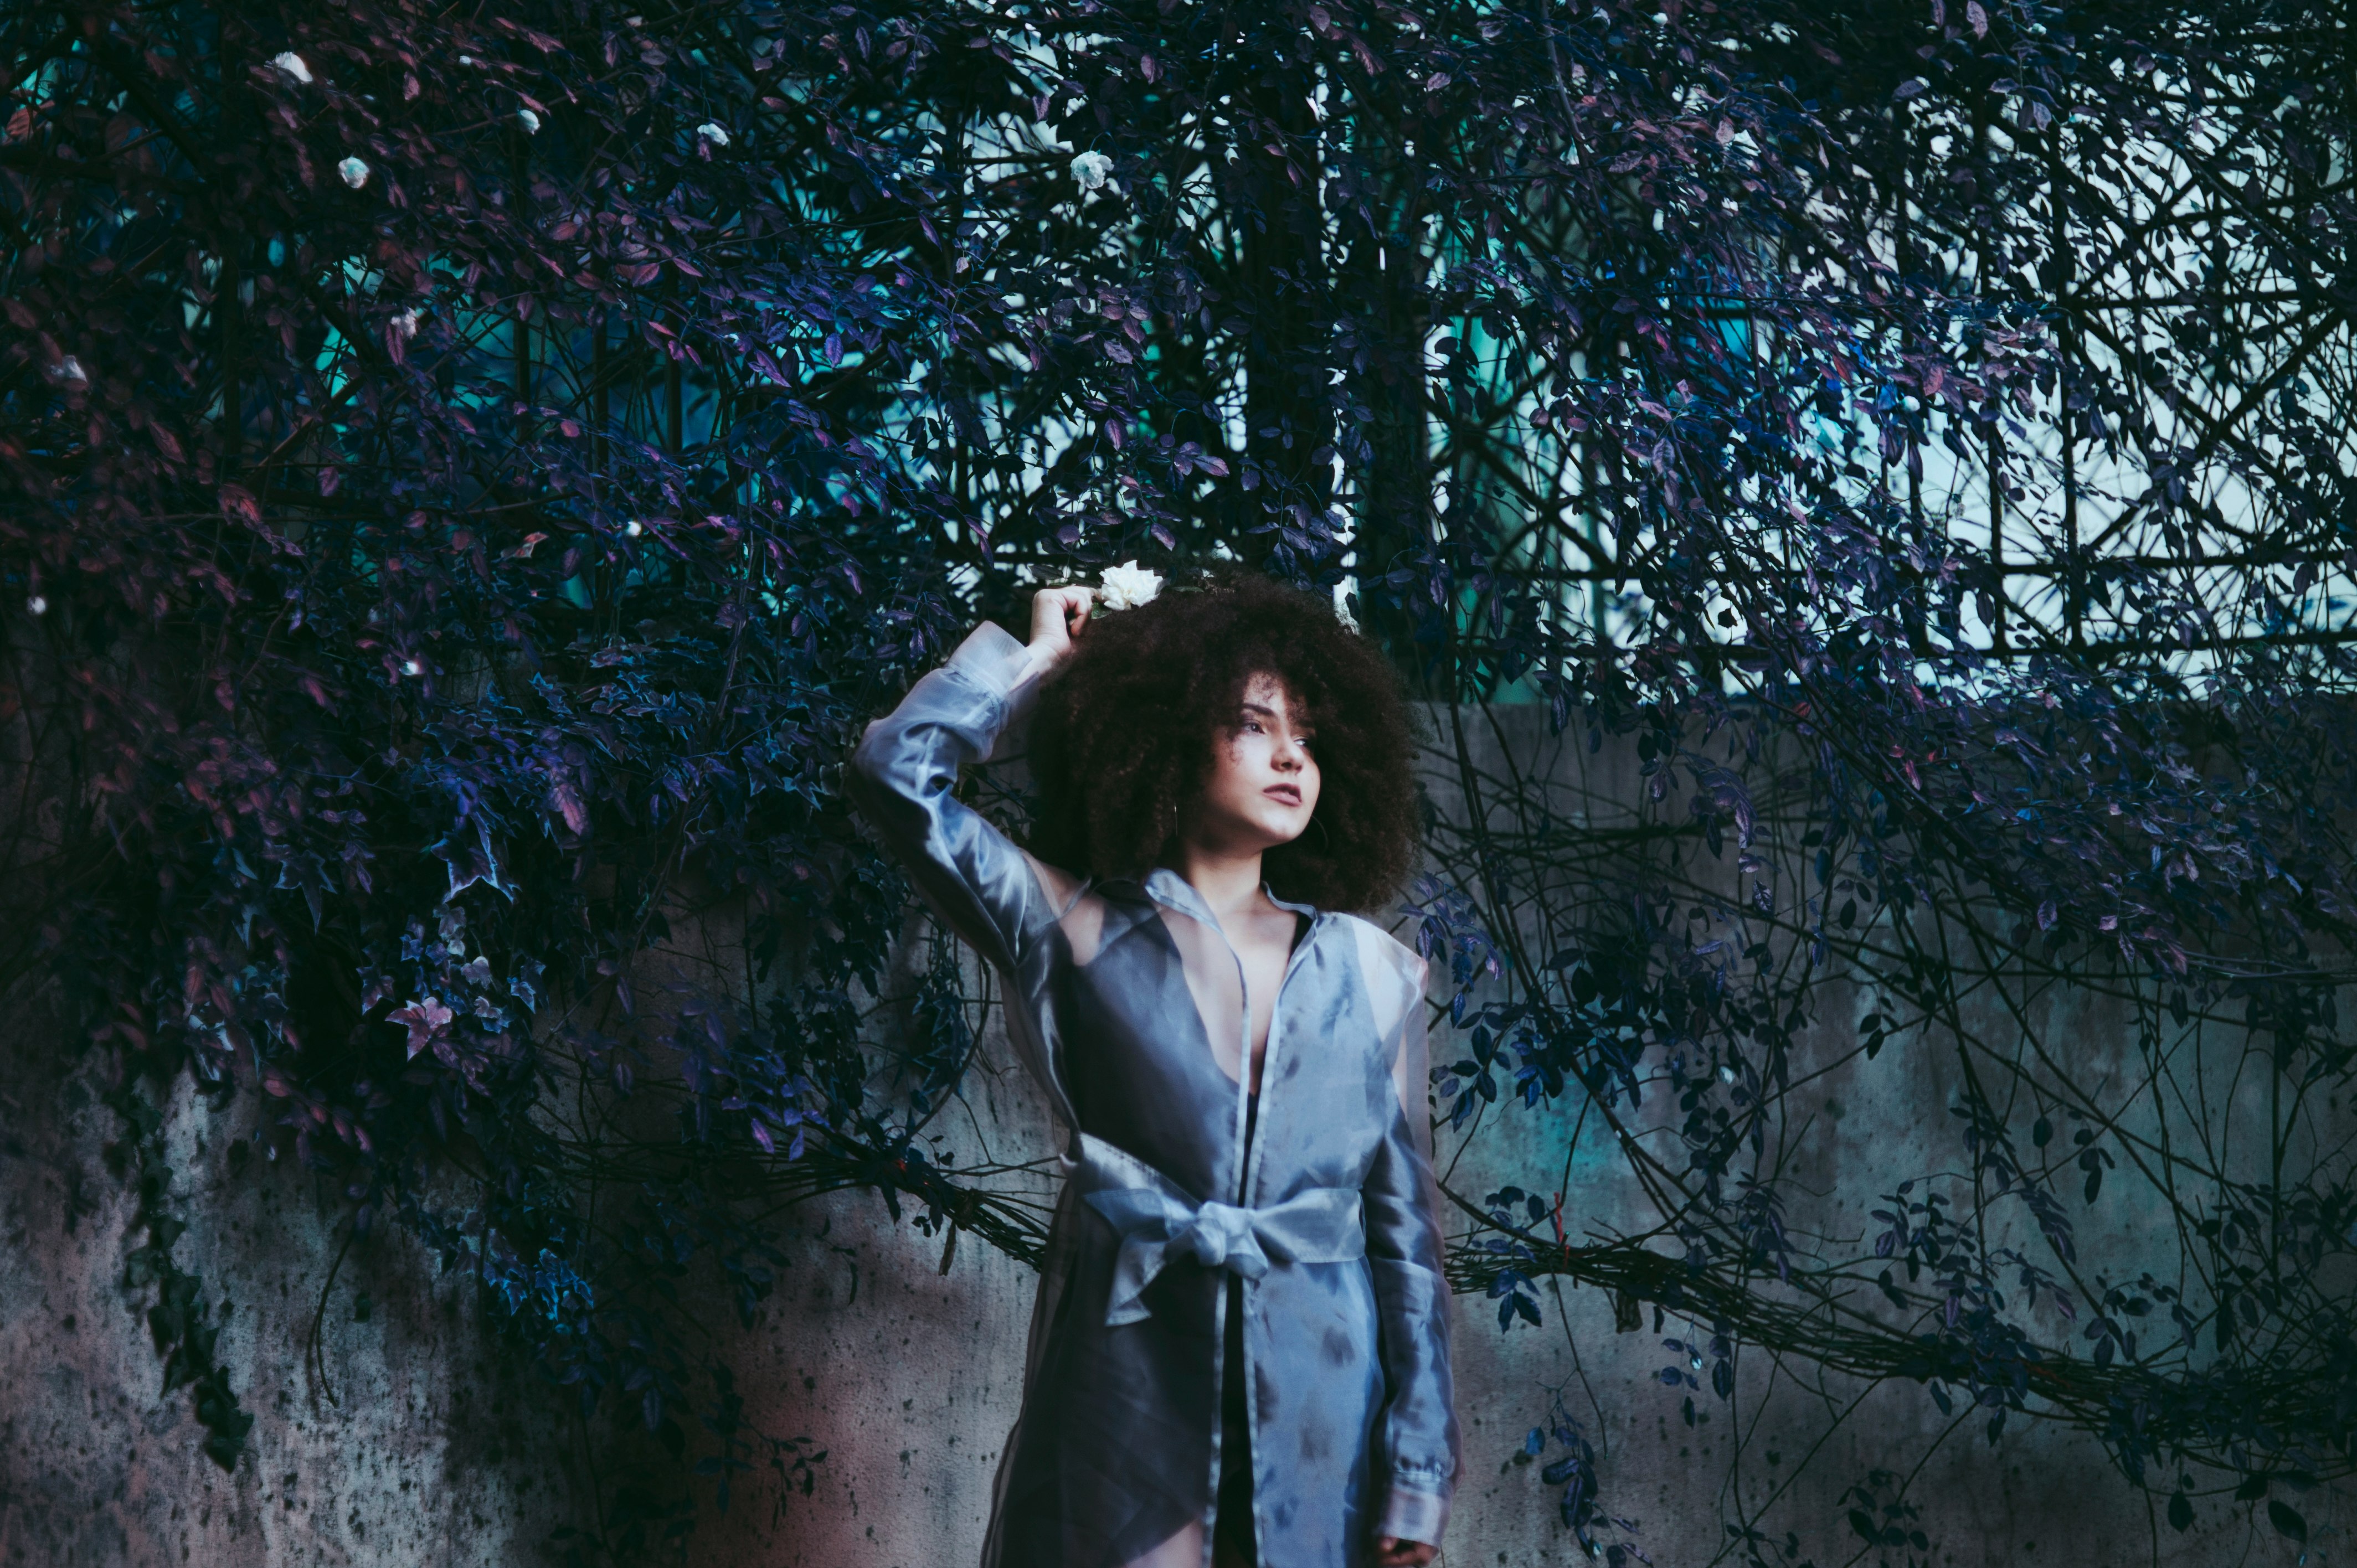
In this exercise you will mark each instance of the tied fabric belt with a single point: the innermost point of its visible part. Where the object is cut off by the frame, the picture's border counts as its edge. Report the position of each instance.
(1158, 1222)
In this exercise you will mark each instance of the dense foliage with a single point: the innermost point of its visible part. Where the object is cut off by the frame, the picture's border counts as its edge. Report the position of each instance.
(468, 475)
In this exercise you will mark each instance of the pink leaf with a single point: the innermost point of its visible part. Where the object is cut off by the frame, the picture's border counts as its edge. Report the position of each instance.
(568, 806)
(424, 1020)
(238, 505)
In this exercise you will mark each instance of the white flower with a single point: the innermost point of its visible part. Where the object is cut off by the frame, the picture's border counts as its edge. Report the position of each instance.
(292, 64)
(634, 528)
(711, 131)
(529, 121)
(68, 371)
(406, 323)
(1127, 586)
(1093, 170)
(37, 605)
(411, 667)
(354, 172)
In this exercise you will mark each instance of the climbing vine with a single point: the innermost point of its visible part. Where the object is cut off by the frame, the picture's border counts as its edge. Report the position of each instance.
(469, 475)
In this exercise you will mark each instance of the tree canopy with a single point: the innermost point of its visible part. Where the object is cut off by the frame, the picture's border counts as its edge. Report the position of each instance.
(468, 474)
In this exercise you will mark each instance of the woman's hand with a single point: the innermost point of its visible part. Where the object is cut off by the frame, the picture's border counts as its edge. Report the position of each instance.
(1391, 1552)
(1058, 616)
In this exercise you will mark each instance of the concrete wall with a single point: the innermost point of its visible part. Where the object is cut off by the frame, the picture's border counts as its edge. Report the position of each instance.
(909, 1377)
(422, 1456)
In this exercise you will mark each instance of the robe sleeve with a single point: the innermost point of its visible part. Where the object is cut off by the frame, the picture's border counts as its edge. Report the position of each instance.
(901, 778)
(1417, 1438)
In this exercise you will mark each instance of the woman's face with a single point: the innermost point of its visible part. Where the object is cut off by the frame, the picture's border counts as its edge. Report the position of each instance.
(1262, 784)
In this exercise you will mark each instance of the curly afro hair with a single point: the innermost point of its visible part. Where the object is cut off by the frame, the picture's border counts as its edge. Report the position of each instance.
(1123, 737)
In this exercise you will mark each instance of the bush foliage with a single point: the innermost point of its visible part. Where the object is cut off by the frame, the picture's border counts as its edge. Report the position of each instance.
(469, 473)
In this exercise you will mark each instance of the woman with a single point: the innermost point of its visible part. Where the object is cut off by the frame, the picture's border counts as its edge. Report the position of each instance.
(1240, 1349)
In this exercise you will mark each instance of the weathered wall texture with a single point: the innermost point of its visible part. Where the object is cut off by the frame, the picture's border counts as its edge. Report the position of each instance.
(423, 1459)
(907, 1377)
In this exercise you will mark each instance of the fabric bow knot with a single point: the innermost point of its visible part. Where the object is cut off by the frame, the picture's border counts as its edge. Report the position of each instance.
(1156, 1221)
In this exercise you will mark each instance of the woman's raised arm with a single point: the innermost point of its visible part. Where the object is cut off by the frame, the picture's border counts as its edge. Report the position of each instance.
(905, 769)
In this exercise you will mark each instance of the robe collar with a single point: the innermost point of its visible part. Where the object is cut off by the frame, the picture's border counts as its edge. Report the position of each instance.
(1165, 885)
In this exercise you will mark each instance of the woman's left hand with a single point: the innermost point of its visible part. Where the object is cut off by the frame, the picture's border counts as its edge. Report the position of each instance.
(1058, 616)
(1391, 1552)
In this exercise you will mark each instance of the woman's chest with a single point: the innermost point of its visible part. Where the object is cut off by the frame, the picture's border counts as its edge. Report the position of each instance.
(1160, 1022)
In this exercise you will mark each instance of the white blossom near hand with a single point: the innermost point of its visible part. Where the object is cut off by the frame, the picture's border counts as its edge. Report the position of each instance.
(291, 64)
(714, 131)
(354, 172)
(1093, 170)
(1127, 586)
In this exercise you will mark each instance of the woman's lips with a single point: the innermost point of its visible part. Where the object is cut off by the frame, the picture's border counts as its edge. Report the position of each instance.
(1288, 793)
